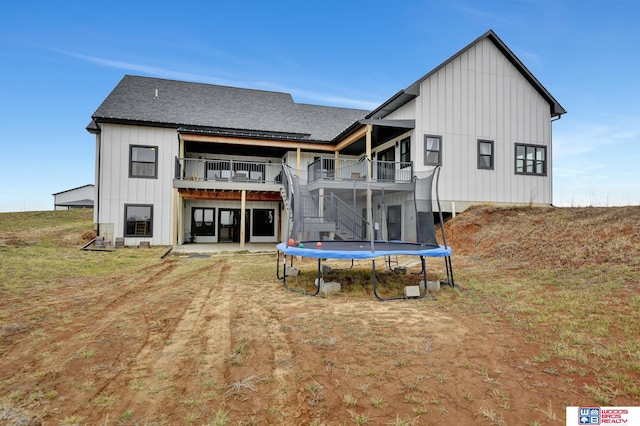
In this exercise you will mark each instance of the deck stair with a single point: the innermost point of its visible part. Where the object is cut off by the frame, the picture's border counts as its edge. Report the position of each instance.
(322, 217)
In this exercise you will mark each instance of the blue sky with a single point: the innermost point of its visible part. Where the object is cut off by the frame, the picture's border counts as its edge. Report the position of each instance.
(59, 60)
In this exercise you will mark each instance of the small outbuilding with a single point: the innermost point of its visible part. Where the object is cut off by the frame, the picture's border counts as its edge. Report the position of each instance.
(77, 198)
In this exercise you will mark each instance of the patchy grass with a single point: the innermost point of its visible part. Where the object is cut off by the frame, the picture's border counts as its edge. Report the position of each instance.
(545, 316)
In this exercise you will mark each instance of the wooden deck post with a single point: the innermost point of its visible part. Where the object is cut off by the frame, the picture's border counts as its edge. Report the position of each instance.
(243, 206)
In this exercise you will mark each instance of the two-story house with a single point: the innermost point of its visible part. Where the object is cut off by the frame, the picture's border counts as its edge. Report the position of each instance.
(180, 162)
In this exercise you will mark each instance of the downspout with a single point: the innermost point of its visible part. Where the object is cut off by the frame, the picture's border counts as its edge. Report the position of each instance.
(553, 118)
(178, 203)
(99, 171)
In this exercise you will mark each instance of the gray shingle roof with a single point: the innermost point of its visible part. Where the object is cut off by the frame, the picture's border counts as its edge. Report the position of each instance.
(186, 104)
(325, 123)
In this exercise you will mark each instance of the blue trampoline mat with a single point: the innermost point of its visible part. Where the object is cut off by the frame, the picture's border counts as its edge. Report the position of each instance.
(362, 249)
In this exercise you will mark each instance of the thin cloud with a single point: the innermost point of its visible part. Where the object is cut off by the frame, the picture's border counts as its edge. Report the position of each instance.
(262, 85)
(572, 172)
(583, 138)
(486, 16)
(334, 100)
(146, 69)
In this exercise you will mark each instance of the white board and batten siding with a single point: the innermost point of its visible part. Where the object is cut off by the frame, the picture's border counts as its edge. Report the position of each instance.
(117, 189)
(481, 95)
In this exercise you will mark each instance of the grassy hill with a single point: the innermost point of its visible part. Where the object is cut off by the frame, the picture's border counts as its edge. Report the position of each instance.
(549, 237)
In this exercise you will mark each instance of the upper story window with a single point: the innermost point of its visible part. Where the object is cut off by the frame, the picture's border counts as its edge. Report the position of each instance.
(432, 150)
(405, 152)
(485, 154)
(138, 220)
(143, 161)
(531, 160)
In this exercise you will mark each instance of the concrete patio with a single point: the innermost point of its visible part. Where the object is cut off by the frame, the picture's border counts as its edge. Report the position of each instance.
(197, 248)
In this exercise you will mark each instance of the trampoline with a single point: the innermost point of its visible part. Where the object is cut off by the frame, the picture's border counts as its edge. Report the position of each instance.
(419, 207)
(362, 249)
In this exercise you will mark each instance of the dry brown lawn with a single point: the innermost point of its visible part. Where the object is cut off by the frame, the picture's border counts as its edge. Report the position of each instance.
(547, 316)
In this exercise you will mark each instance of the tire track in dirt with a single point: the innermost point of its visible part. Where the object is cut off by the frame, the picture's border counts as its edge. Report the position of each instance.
(63, 299)
(123, 318)
(136, 298)
(283, 367)
(65, 302)
(198, 345)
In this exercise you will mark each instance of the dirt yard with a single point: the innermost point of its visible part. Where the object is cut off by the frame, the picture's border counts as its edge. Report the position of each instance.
(217, 340)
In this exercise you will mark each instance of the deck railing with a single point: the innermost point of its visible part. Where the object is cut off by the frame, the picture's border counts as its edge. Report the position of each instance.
(200, 169)
(342, 169)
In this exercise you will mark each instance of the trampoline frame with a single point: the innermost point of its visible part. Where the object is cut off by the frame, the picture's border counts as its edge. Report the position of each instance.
(362, 254)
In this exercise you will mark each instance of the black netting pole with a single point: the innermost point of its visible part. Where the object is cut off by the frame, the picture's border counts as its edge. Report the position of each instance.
(444, 237)
(370, 211)
(415, 206)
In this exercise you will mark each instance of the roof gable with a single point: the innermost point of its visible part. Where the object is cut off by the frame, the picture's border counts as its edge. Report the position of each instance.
(413, 90)
(73, 189)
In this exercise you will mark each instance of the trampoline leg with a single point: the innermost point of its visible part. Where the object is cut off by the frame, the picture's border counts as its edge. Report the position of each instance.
(278, 266)
(319, 277)
(284, 278)
(284, 271)
(449, 267)
(284, 266)
(424, 277)
(373, 277)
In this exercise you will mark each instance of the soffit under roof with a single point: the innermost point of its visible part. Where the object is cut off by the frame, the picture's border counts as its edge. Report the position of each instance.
(382, 131)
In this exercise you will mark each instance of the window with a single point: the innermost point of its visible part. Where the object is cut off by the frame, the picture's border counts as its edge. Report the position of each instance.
(143, 161)
(202, 221)
(138, 220)
(432, 150)
(263, 222)
(531, 160)
(405, 152)
(485, 154)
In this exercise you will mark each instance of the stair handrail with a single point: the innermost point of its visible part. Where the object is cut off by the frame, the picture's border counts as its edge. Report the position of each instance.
(347, 218)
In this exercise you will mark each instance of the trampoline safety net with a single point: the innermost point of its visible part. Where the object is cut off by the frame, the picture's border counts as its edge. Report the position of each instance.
(380, 210)
(370, 210)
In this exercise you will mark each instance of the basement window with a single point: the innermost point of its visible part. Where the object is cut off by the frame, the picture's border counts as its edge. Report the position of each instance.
(138, 220)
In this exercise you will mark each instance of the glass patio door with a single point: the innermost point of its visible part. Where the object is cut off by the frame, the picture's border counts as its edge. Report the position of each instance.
(386, 165)
(229, 226)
